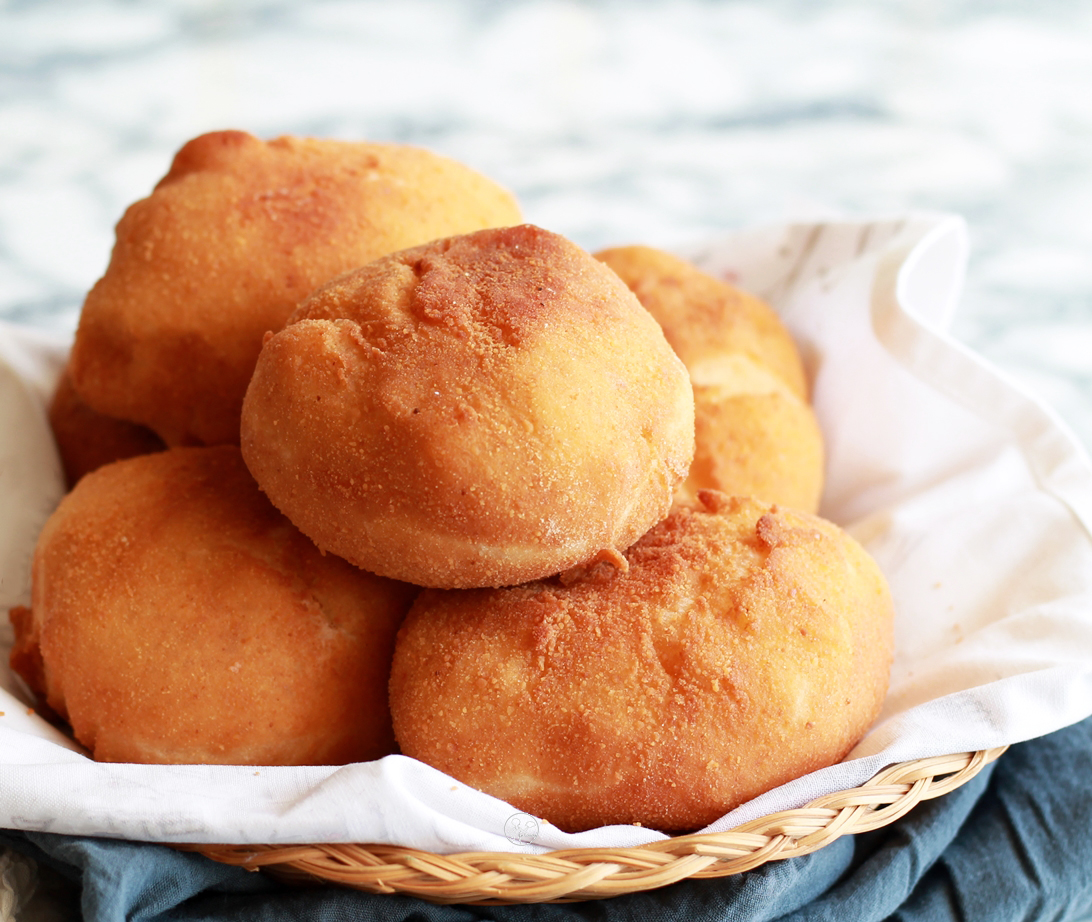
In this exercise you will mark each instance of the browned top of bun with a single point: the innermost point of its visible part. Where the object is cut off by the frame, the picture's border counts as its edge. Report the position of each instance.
(481, 410)
(745, 646)
(230, 240)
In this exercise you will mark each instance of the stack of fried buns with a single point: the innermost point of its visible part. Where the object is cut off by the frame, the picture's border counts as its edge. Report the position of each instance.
(360, 464)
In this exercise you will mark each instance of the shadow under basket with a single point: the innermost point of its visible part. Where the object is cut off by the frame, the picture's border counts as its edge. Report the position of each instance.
(595, 873)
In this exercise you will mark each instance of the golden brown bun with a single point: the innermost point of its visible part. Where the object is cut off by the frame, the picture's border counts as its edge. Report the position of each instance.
(87, 440)
(232, 238)
(178, 617)
(756, 433)
(479, 411)
(745, 646)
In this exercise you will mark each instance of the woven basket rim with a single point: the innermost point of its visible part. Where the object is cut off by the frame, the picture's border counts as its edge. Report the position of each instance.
(567, 875)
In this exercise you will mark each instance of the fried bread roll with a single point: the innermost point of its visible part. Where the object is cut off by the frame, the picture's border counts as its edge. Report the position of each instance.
(746, 645)
(87, 440)
(755, 431)
(178, 617)
(230, 240)
(479, 411)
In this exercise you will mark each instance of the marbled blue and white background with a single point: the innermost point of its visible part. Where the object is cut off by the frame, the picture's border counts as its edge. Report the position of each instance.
(656, 122)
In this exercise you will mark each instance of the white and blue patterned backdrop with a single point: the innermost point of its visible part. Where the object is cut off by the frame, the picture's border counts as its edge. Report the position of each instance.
(657, 122)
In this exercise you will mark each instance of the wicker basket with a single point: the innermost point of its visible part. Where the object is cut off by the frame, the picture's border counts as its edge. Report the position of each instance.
(594, 873)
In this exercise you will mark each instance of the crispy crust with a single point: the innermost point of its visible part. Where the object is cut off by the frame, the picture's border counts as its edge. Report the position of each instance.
(746, 646)
(177, 617)
(479, 411)
(230, 240)
(756, 433)
(87, 440)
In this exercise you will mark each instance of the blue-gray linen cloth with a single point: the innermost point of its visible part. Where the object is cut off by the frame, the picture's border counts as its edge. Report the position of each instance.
(1015, 843)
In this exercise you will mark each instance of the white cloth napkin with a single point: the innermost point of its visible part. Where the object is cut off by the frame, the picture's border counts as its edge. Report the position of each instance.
(972, 496)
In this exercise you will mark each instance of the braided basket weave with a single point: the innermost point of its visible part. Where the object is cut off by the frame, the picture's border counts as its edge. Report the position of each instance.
(593, 873)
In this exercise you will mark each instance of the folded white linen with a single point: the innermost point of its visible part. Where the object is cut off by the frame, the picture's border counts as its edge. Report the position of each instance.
(972, 496)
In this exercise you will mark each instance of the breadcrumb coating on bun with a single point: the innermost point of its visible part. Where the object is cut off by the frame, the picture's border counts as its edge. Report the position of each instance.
(177, 617)
(479, 411)
(747, 645)
(236, 234)
(756, 433)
